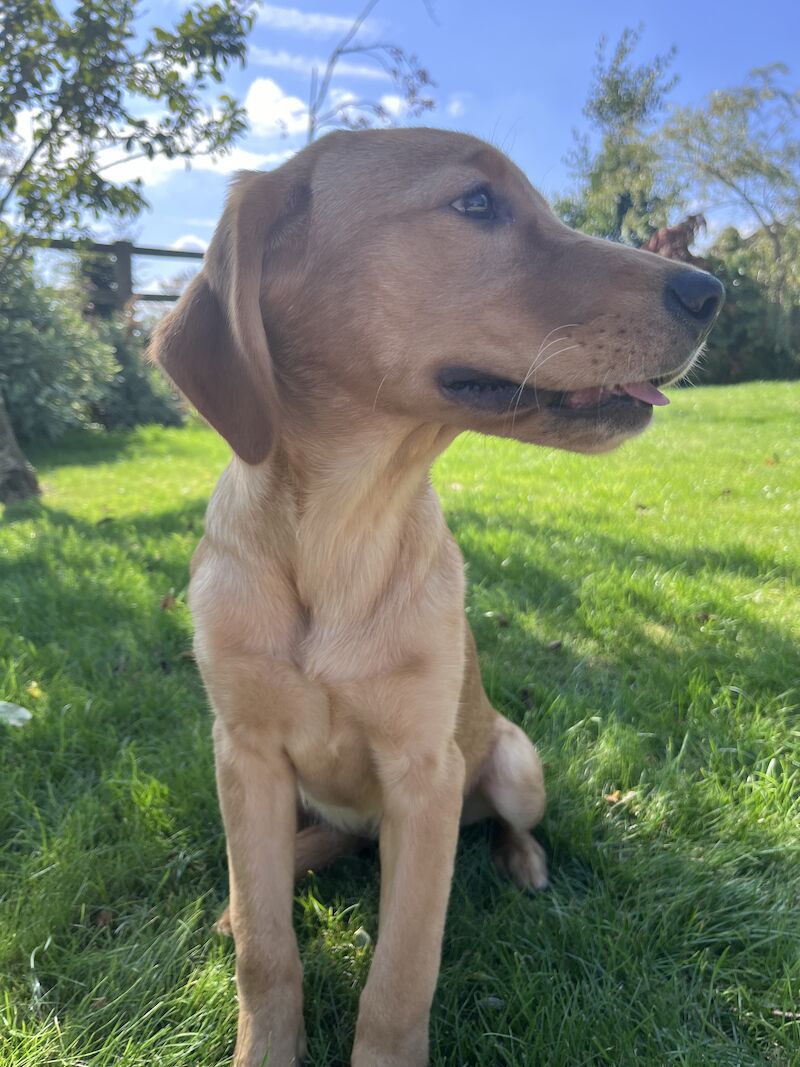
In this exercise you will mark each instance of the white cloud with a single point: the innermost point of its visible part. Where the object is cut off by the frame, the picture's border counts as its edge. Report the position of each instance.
(189, 242)
(159, 170)
(456, 105)
(342, 96)
(394, 105)
(339, 102)
(168, 284)
(307, 22)
(283, 60)
(272, 111)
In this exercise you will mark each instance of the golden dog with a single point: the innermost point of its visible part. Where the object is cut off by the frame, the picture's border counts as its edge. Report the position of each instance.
(358, 308)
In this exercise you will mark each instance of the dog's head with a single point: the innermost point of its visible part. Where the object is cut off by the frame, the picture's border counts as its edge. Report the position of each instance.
(418, 273)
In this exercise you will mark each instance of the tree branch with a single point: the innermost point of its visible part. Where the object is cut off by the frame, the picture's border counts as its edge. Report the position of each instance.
(335, 56)
(37, 147)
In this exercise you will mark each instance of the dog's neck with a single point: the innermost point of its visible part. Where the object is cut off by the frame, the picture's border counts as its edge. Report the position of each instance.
(334, 508)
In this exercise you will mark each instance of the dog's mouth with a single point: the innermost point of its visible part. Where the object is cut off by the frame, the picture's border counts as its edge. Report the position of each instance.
(500, 396)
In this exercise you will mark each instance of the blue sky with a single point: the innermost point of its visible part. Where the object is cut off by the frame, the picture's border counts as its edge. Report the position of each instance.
(513, 71)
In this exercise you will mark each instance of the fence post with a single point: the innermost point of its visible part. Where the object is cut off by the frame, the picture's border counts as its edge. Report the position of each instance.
(123, 273)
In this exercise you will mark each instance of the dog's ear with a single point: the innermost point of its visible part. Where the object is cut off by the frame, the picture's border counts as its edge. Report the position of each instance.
(214, 345)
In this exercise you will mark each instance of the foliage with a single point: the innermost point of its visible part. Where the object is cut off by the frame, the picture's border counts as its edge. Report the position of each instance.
(53, 365)
(743, 344)
(96, 92)
(620, 192)
(667, 720)
(60, 371)
(78, 95)
(741, 151)
(137, 393)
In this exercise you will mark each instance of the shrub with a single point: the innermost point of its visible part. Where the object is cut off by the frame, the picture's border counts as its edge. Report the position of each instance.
(137, 393)
(53, 364)
(754, 337)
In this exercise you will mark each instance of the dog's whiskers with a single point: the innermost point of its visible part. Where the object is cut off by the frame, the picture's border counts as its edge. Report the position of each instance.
(538, 362)
(545, 344)
(377, 391)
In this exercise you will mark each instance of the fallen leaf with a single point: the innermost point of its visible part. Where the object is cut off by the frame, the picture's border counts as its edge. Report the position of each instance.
(186, 654)
(618, 797)
(14, 714)
(34, 690)
(169, 601)
(498, 616)
(553, 646)
(104, 917)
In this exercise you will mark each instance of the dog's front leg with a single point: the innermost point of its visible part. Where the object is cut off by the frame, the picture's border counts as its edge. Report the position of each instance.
(418, 835)
(257, 797)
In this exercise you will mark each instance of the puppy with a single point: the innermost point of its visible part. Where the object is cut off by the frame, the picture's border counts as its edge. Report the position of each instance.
(358, 308)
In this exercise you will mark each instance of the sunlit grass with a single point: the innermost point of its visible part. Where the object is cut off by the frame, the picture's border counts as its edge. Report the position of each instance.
(638, 614)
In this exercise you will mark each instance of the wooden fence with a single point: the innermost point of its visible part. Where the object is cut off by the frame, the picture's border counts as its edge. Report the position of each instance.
(121, 254)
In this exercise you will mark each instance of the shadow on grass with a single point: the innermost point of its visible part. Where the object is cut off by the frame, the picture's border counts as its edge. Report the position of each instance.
(614, 552)
(82, 448)
(758, 644)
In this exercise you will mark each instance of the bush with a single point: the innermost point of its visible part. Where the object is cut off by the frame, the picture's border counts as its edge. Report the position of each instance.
(60, 371)
(754, 338)
(53, 365)
(137, 393)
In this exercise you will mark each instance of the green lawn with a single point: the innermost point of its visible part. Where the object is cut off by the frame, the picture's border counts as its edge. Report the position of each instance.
(667, 715)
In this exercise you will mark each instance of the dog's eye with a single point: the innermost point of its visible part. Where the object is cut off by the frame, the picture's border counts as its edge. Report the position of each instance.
(477, 205)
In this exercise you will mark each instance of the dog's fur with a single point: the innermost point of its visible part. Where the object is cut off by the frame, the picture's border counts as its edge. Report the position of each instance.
(327, 592)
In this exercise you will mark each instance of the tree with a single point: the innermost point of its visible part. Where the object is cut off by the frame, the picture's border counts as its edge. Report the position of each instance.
(743, 345)
(93, 92)
(355, 113)
(741, 151)
(620, 193)
(17, 476)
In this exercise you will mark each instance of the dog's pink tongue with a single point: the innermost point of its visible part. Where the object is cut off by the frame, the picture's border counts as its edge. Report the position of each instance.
(645, 391)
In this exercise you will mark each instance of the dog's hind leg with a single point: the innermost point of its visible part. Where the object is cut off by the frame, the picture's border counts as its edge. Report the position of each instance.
(510, 789)
(316, 847)
(320, 845)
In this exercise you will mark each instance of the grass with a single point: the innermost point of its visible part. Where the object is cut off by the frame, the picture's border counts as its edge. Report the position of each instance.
(667, 715)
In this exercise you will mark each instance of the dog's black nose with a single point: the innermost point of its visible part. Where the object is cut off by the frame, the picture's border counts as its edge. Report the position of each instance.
(696, 295)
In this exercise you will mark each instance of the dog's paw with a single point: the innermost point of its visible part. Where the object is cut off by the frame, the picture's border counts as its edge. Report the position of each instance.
(223, 924)
(521, 858)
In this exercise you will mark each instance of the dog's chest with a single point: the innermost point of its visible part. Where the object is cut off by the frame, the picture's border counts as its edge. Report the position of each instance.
(365, 823)
(333, 761)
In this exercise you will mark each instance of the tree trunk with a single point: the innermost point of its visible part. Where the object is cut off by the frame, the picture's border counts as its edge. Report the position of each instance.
(17, 476)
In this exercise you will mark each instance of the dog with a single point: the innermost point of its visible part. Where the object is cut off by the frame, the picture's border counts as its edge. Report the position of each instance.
(358, 308)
